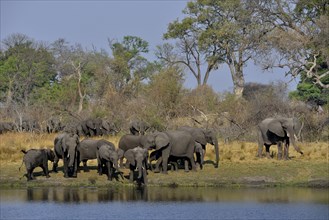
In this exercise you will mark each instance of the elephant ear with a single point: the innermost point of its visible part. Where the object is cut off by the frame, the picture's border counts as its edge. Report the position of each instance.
(161, 140)
(200, 136)
(276, 127)
(129, 155)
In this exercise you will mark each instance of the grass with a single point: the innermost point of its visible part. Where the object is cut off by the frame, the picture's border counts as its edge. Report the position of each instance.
(239, 167)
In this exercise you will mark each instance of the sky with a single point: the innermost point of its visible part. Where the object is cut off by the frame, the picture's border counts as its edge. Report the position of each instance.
(92, 23)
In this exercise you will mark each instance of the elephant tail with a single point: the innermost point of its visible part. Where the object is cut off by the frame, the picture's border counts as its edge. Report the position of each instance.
(24, 151)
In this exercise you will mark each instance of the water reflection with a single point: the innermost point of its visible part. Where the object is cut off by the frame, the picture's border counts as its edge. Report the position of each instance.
(154, 194)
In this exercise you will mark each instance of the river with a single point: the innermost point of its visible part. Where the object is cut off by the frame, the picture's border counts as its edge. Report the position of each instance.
(164, 203)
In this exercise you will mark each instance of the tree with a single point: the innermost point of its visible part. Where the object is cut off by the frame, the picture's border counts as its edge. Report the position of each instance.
(299, 38)
(25, 66)
(128, 65)
(311, 92)
(216, 32)
(75, 64)
(167, 84)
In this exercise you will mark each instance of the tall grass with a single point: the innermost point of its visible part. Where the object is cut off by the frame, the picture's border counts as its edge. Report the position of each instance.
(11, 145)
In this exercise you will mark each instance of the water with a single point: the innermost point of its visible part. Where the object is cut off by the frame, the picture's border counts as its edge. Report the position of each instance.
(164, 203)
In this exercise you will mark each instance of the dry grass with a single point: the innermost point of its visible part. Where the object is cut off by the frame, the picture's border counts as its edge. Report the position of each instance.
(12, 143)
(238, 165)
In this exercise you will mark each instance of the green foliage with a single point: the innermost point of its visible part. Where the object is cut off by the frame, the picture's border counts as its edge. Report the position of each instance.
(25, 66)
(164, 90)
(308, 91)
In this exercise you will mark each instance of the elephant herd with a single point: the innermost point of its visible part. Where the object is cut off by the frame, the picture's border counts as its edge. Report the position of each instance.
(89, 127)
(186, 145)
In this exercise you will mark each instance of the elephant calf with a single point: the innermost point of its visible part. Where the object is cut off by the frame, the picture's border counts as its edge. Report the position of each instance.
(37, 158)
(107, 158)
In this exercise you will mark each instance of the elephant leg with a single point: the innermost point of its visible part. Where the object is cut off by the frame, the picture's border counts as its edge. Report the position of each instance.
(66, 170)
(131, 175)
(164, 165)
(192, 161)
(99, 166)
(75, 167)
(120, 156)
(29, 174)
(280, 150)
(85, 168)
(144, 176)
(268, 151)
(186, 165)
(55, 164)
(109, 170)
(157, 165)
(45, 170)
(286, 151)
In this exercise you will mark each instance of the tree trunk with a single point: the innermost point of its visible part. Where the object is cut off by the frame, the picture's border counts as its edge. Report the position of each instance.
(237, 78)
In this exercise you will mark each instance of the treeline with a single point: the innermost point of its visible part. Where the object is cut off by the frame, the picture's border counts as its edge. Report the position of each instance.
(39, 81)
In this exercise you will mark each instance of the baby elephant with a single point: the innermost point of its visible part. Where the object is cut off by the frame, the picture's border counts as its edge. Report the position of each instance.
(37, 158)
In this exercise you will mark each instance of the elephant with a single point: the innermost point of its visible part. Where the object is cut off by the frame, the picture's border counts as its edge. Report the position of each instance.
(280, 130)
(54, 125)
(107, 156)
(6, 126)
(138, 127)
(176, 143)
(95, 127)
(156, 155)
(89, 127)
(108, 128)
(130, 141)
(29, 125)
(204, 136)
(37, 158)
(174, 161)
(65, 147)
(87, 150)
(137, 158)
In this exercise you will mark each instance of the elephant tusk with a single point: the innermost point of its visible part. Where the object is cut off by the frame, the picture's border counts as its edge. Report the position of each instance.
(68, 156)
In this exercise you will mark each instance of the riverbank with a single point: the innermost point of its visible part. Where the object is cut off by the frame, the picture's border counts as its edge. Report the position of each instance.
(238, 168)
(263, 173)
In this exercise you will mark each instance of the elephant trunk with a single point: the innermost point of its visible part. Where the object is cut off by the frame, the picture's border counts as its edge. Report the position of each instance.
(116, 166)
(293, 142)
(216, 152)
(71, 158)
(140, 169)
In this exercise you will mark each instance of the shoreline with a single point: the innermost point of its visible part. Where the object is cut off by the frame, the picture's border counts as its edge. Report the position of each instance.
(261, 173)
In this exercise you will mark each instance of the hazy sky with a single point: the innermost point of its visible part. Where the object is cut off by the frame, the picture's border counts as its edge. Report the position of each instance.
(91, 23)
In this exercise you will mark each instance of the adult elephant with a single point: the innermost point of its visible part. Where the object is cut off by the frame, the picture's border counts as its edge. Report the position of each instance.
(87, 150)
(107, 158)
(277, 131)
(65, 147)
(204, 136)
(130, 141)
(138, 127)
(137, 158)
(176, 143)
(108, 128)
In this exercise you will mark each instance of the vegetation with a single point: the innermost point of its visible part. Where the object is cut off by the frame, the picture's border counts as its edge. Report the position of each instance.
(239, 167)
(67, 82)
